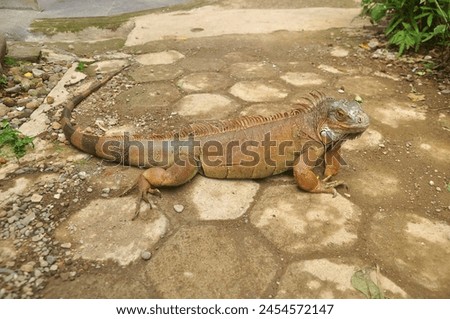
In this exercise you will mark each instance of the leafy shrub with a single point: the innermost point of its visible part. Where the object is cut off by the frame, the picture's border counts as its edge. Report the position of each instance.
(412, 23)
(13, 138)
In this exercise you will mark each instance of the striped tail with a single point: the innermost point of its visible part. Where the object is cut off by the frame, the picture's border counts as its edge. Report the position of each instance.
(86, 142)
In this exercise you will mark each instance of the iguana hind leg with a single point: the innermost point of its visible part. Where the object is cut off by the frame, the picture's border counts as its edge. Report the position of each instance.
(153, 177)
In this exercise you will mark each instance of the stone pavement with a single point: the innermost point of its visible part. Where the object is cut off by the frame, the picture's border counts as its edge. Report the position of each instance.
(226, 238)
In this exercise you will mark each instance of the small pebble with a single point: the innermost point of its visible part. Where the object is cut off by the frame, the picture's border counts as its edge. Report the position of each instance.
(32, 105)
(50, 259)
(431, 183)
(146, 255)
(358, 99)
(36, 198)
(50, 99)
(27, 267)
(56, 125)
(178, 208)
(82, 175)
(66, 245)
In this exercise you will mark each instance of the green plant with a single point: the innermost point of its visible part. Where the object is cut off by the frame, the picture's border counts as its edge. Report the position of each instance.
(362, 282)
(412, 23)
(81, 67)
(10, 61)
(3, 80)
(13, 138)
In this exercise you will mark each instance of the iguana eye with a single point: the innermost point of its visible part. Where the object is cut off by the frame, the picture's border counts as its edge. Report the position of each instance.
(340, 114)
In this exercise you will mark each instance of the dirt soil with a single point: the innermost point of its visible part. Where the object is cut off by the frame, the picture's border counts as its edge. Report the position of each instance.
(397, 174)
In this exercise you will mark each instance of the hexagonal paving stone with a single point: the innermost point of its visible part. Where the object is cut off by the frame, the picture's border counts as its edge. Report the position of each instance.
(164, 57)
(323, 278)
(203, 82)
(394, 113)
(387, 184)
(254, 91)
(205, 106)
(329, 69)
(370, 139)
(253, 70)
(155, 73)
(414, 246)
(367, 86)
(221, 199)
(115, 283)
(302, 78)
(104, 230)
(437, 149)
(212, 262)
(147, 97)
(239, 56)
(299, 222)
(202, 64)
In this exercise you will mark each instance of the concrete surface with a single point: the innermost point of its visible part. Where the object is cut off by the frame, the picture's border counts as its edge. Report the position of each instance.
(17, 15)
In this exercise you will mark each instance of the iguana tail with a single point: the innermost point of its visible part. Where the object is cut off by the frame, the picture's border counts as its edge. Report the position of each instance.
(88, 143)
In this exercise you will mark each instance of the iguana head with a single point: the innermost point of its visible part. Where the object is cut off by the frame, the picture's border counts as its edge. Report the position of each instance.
(344, 120)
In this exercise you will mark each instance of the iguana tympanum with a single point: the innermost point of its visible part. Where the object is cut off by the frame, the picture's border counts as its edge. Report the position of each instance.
(247, 147)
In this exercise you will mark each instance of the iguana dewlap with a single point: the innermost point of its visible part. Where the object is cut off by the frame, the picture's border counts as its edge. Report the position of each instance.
(248, 147)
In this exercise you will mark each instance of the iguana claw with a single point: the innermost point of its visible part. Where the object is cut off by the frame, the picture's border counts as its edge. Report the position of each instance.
(144, 196)
(330, 186)
(334, 184)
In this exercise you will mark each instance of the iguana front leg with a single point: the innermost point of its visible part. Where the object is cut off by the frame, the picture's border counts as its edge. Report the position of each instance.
(306, 178)
(176, 174)
(332, 162)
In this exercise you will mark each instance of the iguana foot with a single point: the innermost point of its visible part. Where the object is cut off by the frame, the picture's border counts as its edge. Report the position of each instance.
(145, 190)
(144, 195)
(330, 187)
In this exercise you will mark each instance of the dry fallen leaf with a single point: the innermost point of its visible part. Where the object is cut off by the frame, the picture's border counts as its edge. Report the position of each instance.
(416, 97)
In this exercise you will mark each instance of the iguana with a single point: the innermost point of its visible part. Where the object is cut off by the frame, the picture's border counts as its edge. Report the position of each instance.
(248, 147)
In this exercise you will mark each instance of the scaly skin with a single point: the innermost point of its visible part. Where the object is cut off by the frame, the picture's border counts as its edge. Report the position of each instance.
(247, 147)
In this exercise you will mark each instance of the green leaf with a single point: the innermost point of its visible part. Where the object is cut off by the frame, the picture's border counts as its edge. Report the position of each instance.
(393, 24)
(9, 61)
(81, 67)
(13, 138)
(362, 282)
(448, 187)
(430, 20)
(378, 12)
(406, 25)
(439, 29)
